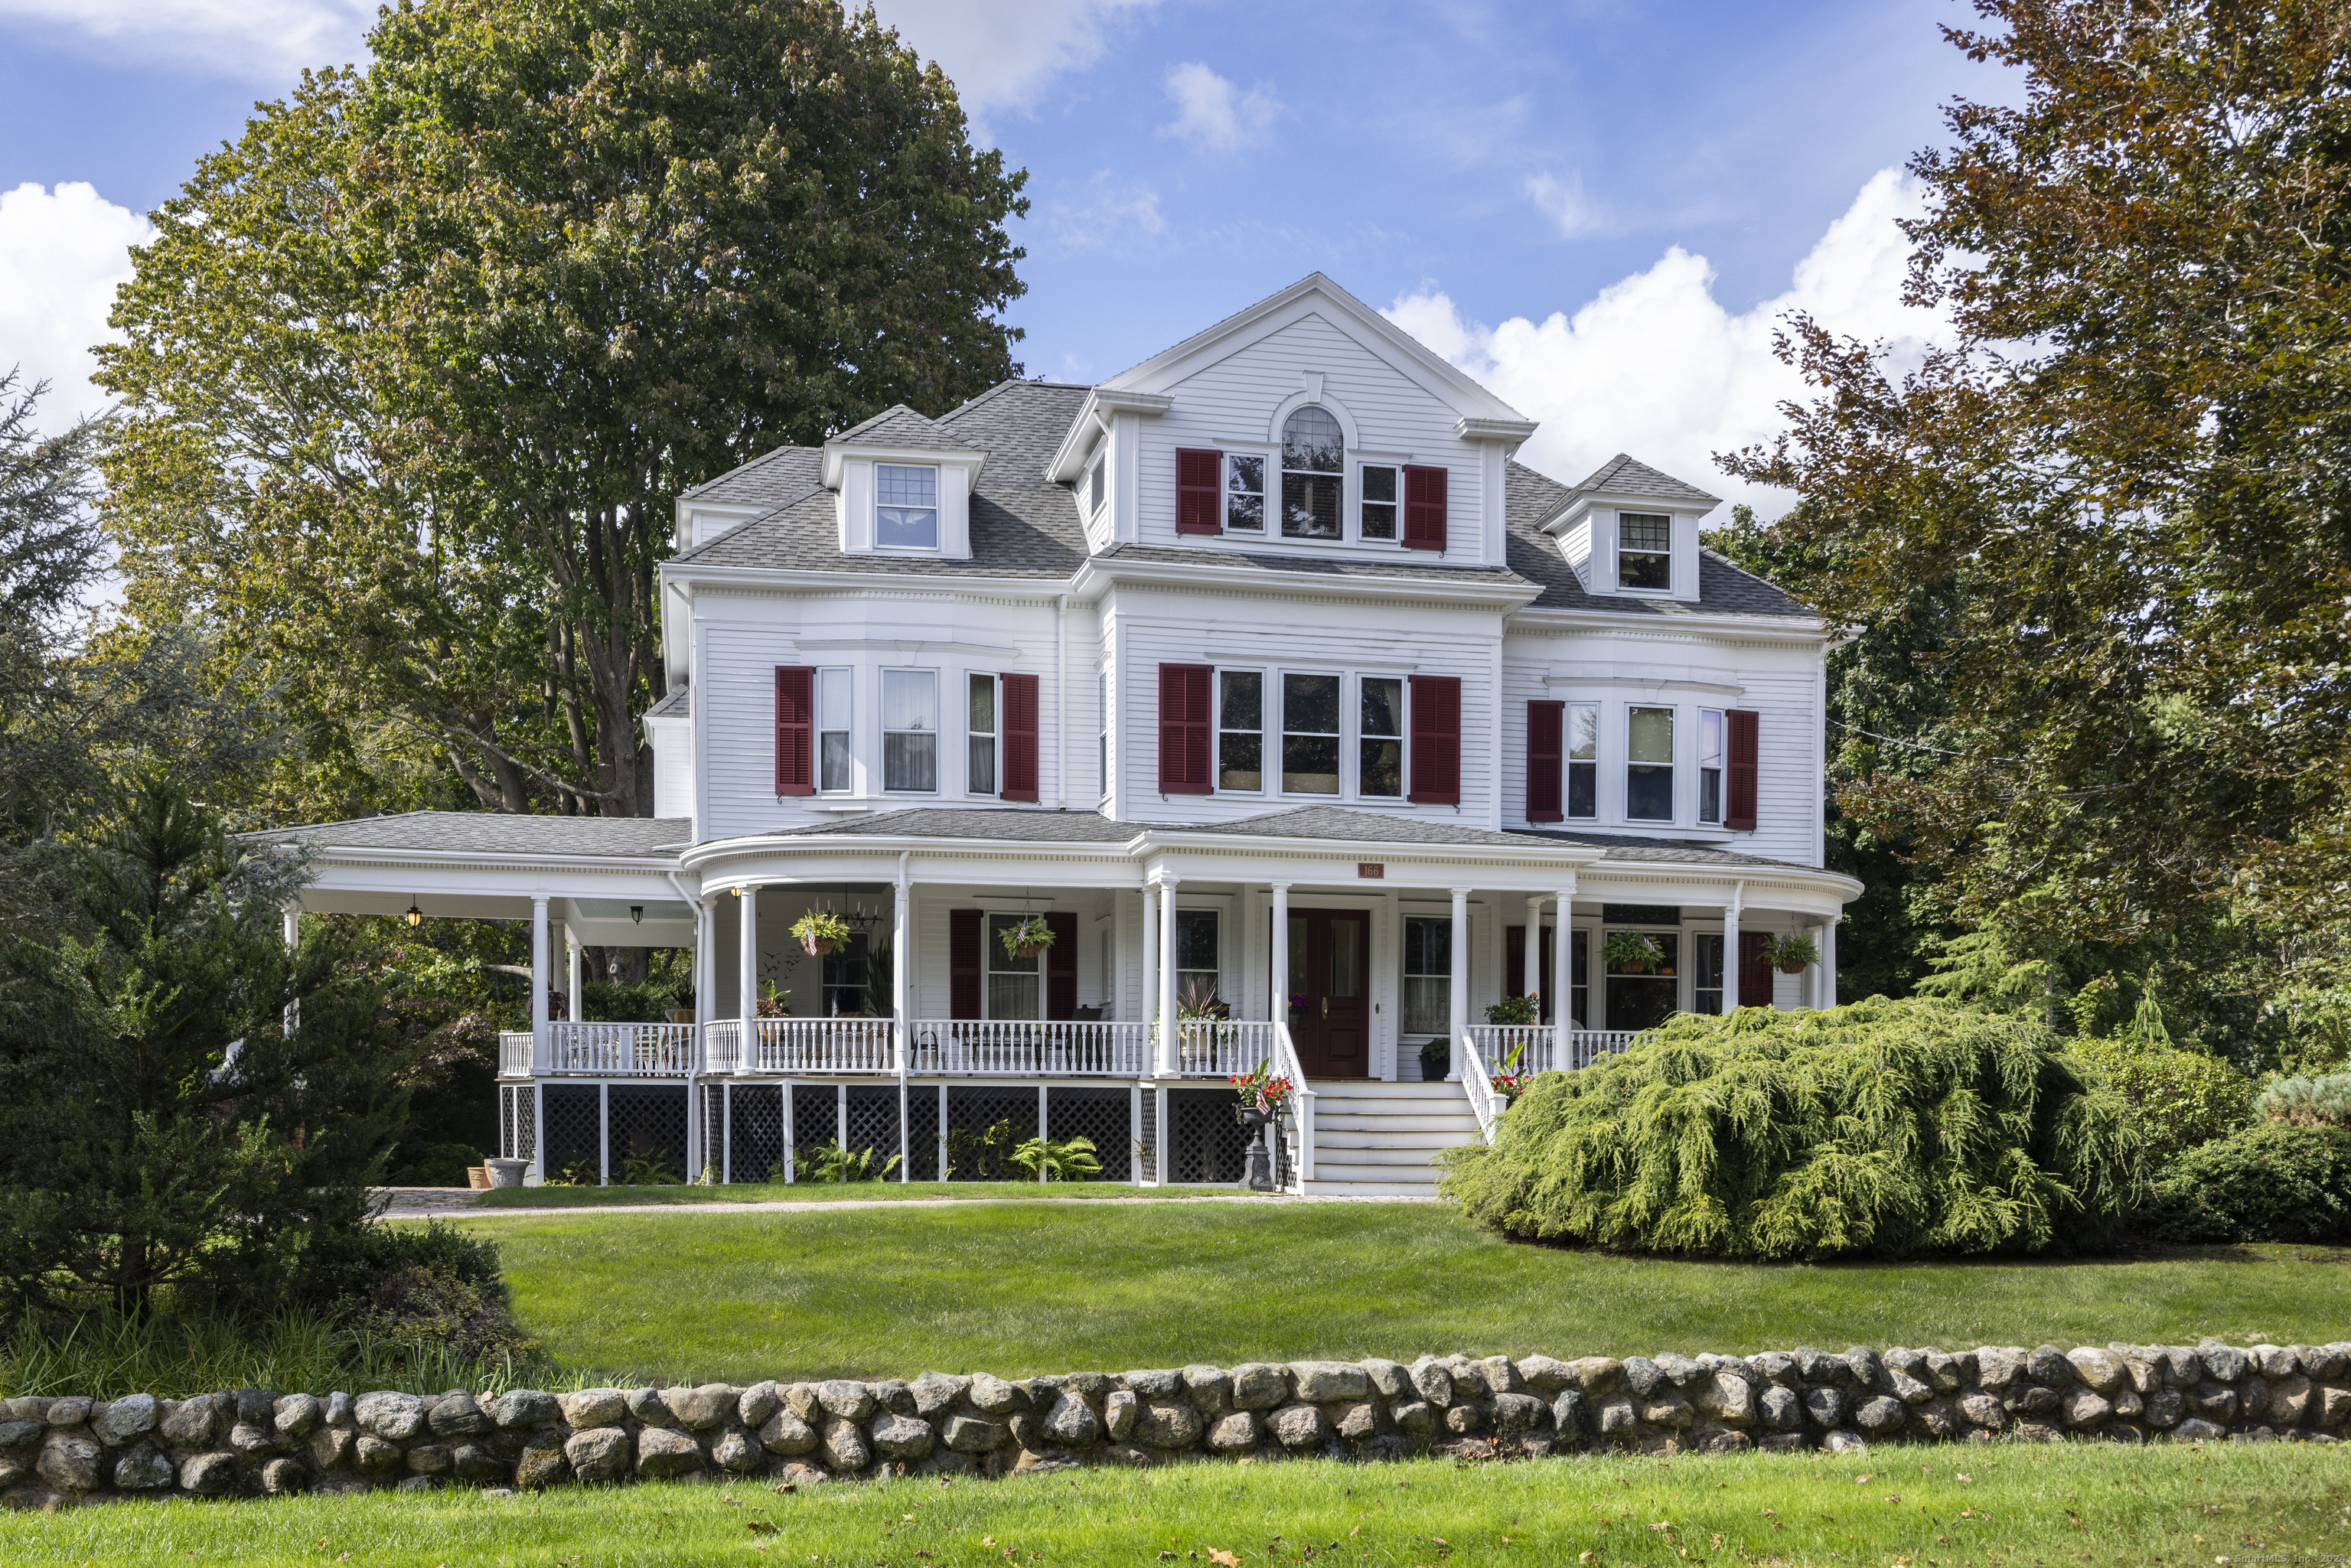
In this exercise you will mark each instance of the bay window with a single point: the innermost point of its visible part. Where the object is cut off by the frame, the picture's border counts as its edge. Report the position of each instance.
(910, 725)
(1709, 766)
(1649, 765)
(979, 773)
(832, 711)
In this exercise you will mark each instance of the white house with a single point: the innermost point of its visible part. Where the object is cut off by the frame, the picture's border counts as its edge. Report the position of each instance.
(1265, 676)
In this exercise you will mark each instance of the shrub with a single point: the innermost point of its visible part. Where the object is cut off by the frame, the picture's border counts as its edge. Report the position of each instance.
(2180, 1098)
(2274, 1181)
(1885, 1128)
(2323, 1101)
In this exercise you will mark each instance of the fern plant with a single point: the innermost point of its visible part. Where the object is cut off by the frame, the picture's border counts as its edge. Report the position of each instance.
(1067, 1159)
(828, 1162)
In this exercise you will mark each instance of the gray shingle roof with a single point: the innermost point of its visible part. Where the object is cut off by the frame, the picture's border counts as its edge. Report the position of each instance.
(1009, 824)
(898, 425)
(779, 476)
(1723, 589)
(497, 833)
(679, 704)
(1621, 476)
(1423, 568)
(1627, 847)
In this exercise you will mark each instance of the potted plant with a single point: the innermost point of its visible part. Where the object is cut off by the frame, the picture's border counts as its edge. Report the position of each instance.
(1263, 1091)
(1028, 938)
(1630, 952)
(1514, 1010)
(1791, 954)
(1435, 1059)
(1508, 1080)
(820, 930)
(771, 1001)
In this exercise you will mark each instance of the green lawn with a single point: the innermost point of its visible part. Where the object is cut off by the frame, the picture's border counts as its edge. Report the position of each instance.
(2040, 1508)
(1017, 1289)
(813, 1192)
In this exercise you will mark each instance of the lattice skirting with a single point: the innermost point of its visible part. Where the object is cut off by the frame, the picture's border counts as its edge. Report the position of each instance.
(754, 1132)
(1204, 1146)
(648, 1124)
(575, 1130)
(517, 1121)
(1105, 1118)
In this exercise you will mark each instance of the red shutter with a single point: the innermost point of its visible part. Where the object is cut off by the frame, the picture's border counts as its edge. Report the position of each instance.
(1546, 727)
(1740, 807)
(1184, 728)
(1062, 966)
(1198, 505)
(1424, 508)
(1020, 737)
(1754, 973)
(966, 927)
(795, 730)
(1436, 739)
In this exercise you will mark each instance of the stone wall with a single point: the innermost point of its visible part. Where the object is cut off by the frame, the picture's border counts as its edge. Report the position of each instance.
(254, 1441)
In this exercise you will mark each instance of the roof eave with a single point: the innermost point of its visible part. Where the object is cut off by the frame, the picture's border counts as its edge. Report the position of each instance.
(1791, 628)
(1098, 572)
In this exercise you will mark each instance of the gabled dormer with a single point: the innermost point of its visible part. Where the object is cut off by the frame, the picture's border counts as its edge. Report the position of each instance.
(1630, 531)
(902, 485)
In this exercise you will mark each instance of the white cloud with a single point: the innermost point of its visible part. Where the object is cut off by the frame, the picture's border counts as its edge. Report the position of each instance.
(250, 39)
(1564, 202)
(1000, 53)
(62, 253)
(1656, 367)
(1104, 208)
(1213, 112)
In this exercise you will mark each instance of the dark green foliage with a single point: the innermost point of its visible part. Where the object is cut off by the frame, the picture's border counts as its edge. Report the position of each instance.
(985, 1156)
(162, 1127)
(2271, 1182)
(1881, 1129)
(415, 1163)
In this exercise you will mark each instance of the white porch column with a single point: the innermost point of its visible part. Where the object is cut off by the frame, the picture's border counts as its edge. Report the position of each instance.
(538, 975)
(1459, 985)
(1147, 1006)
(1167, 974)
(1825, 976)
(1277, 999)
(575, 975)
(902, 971)
(747, 1003)
(1532, 957)
(1730, 911)
(1563, 969)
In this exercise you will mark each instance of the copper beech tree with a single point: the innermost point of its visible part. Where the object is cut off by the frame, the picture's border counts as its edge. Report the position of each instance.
(2134, 460)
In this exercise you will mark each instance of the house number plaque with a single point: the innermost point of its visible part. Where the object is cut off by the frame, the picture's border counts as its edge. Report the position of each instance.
(1370, 871)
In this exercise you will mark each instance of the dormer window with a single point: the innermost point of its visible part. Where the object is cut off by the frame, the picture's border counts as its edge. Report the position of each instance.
(1644, 546)
(1313, 451)
(905, 506)
(1095, 484)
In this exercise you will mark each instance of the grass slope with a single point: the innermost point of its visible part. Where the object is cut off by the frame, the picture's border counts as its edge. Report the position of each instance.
(2035, 1507)
(832, 1192)
(1017, 1289)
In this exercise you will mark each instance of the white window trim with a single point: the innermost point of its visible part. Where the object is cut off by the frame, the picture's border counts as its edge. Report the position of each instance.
(1568, 762)
(848, 730)
(1269, 491)
(992, 949)
(1698, 769)
(1278, 727)
(1620, 586)
(881, 720)
(1355, 465)
(1677, 817)
(937, 509)
(995, 740)
(1352, 718)
(1267, 681)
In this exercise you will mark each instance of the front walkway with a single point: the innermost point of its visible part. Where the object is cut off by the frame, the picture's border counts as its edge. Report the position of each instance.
(439, 1202)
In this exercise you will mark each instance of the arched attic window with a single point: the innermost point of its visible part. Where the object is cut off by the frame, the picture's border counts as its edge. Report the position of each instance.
(1313, 450)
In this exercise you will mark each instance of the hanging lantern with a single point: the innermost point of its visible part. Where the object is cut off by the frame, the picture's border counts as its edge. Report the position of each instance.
(414, 916)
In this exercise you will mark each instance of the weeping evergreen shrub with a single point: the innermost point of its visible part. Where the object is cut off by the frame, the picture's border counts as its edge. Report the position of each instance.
(1882, 1129)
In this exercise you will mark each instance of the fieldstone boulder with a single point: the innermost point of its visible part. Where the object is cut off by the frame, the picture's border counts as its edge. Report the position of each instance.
(910, 1438)
(2225, 1362)
(1359, 1422)
(1643, 1377)
(1782, 1410)
(1167, 1425)
(1432, 1381)
(785, 1433)
(1825, 1407)
(1881, 1417)
(1258, 1385)
(1322, 1382)
(2032, 1399)
(141, 1469)
(133, 1416)
(428, 1460)
(208, 1475)
(1568, 1415)
(1299, 1426)
(735, 1450)
(2083, 1407)
(600, 1454)
(371, 1455)
(1936, 1420)
(2101, 1371)
(542, 1464)
(2289, 1400)
(844, 1447)
(1070, 1424)
(1845, 1442)
(994, 1396)
(1463, 1419)
(394, 1417)
(2196, 1430)
(473, 1463)
(1416, 1419)
(935, 1391)
(1120, 1408)
(662, 1451)
(1616, 1419)
(296, 1415)
(1393, 1380)
(190, 1423)
(249, 1439)
(1726, 1397)
(458, 1414)
(70, 1461)
(330, 1446)
(647, 1406)
(589, 1407)
(527, 1410)
(70, 1412)
(1996, 1369)
(757, 1402)
(1597, 1374)
(283, 1478)
(1666, 1408)
(706, 1407)
(1234, 1434)
(1679, 1369)
(2047, 1366)
(1499, 1376)
(1210, 1389)
(2213, 1402)
(1982, 1410)
(971, 1435)
(19, 1434)
(1514, 1415)
(2165, 1407)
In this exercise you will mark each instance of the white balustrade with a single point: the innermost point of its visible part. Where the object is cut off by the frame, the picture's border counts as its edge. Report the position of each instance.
(722, 1045)
(1477, 1086)
(1009, 1048)
(1222, 1048)
(513, 1053)
(823, 1045)
(620, 1050)
(1544, 1048)
(1301, 1108)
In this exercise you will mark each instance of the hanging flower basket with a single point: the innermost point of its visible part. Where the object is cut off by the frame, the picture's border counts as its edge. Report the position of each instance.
(1263, 1093)
(1793, 955)
(820, 932)
(1630, 952)
(1026, 940)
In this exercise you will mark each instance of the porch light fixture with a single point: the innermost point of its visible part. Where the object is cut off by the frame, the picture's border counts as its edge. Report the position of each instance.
(414, 916)
(637, 912)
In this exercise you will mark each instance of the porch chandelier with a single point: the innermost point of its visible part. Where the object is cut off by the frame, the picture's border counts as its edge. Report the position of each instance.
(637, 914)
(414, 916)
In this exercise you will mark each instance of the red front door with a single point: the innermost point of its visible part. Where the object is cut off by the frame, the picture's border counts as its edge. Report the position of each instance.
(1330, 991)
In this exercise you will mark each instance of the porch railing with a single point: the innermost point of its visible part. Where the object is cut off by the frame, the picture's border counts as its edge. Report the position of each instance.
(1301, 1108)
(513, 1053)
(620, 1050)
(1219, 1048)
(988, 1048)
(822, 1046)
(1546, 1047)
(1476, 1084)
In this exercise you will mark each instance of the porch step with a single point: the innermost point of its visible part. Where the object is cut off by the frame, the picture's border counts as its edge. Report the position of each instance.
(1379, 1140)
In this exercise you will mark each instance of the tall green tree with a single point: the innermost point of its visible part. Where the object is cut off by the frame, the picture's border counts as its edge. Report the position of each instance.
(414, 371)
(2135, 457)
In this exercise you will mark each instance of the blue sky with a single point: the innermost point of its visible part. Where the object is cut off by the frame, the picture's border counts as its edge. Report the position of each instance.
(1596, 206)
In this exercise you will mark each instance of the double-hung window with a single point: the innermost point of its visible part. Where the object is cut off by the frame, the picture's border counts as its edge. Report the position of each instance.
(905, 506)
(1313, 450)
(1706, 980)
(1244, 492)
(1378, 508)
(1583, 745)
(979, 772)
(1015, 985)
(1379, 738)
(833, 710)
(1427, 974)
(1102, 737)
(910, 729)
(1309, 735)
(1198, 981)
(1649, 764)
(1645, 551)
(1709, 766)
(1240, 730)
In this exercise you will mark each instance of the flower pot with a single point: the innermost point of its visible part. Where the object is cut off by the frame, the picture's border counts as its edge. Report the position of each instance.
(1029, 949)
(508, 1173)
(818, 946)
(1796, 969)
(478, 1177)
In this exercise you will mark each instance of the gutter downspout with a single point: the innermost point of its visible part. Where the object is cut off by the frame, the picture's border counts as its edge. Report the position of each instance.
(704, 920)
(1061, 701)
(900, 965)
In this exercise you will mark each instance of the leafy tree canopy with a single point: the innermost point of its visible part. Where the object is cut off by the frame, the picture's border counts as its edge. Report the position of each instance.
(414, 370)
